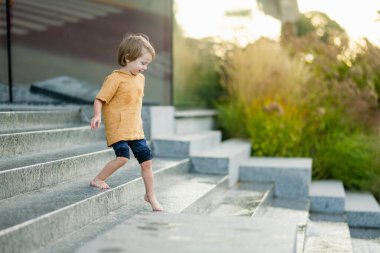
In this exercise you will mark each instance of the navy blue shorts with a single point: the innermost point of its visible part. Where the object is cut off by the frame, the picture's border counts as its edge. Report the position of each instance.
(139, 148)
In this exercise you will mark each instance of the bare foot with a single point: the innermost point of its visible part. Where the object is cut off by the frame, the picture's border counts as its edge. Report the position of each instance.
(154, 203)
(99, 184)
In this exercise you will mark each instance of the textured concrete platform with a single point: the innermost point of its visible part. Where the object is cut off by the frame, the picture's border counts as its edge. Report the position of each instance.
(162, 232)
(324, 237)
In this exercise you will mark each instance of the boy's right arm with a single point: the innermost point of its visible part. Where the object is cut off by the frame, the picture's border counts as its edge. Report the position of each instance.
(95, 121)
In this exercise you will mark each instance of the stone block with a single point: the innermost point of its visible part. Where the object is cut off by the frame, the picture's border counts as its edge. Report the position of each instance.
(291, 176)
(157, 121)
(327, 196)
(191, 121)
(185, 145)
(362, 210)
(223, 159)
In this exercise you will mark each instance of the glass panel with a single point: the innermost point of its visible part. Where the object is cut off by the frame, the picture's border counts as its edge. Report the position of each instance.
(78, 39)
(3, 54)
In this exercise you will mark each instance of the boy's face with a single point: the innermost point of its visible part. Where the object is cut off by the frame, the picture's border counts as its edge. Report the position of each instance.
(140, 64)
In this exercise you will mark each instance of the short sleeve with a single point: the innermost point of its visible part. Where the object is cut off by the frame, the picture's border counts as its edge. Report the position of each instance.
(109, 88)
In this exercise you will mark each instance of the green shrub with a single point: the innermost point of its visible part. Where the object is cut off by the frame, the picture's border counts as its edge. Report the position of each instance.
(288, 107)
(196, 73)
(350, 157)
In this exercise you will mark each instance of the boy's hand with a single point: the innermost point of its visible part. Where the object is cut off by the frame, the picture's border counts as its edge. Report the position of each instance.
(95, 122)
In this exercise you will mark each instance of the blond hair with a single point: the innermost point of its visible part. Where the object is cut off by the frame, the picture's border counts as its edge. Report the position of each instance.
(131, 48)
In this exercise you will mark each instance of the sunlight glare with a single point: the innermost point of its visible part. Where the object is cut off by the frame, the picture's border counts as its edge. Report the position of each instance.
(358, 18)
(206, 18)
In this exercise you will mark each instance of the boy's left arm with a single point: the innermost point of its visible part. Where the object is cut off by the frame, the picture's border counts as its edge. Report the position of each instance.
(96, 120)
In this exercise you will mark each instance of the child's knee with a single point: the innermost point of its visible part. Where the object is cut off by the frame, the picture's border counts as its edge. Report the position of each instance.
(146, 164)
(122, 160)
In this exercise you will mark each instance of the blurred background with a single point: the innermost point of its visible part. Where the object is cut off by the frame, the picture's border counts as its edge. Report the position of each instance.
(297, 78)
(79, 39)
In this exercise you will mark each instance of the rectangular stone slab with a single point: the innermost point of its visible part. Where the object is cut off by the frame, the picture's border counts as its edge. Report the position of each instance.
(164, 232)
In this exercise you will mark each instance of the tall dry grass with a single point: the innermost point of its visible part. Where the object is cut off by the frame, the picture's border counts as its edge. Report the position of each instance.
(265, 72)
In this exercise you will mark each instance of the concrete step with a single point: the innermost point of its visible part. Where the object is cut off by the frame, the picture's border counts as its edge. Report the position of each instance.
(222, 159)
(327, 196)
(362, 210)
(37, 120)
(322, 236)
(196, 233)
(45, 140)
(241, 200)
(292, 176)
(192, 121)
(157, 121)
(281, 209)
(33, 172)
(37, 107)
(182, 193)
(365, 240)
(192, 193)
(184, 145)
(31, 220)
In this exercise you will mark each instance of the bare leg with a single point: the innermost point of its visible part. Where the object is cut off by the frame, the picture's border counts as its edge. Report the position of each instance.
(147, 175)
(107, 171)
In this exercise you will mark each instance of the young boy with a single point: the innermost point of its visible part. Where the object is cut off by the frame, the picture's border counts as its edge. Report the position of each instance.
(120, 101)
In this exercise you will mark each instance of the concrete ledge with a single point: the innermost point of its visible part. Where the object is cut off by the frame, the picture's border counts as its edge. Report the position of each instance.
(327, 237)
(223, 159)
(33, 177)
(184, 145)
(37, 141)
(292, 176)
(192, 121)
(327, 196)
(362, 210)
(157, 121)
(205, 201)
(243, 199)
(17, 121)
(295, 210)
(196, 113)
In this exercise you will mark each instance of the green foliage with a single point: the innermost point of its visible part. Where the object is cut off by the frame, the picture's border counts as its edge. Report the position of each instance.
(350, 157)
(310, 96)
(232, 119)
(274, 132)
(196, 73)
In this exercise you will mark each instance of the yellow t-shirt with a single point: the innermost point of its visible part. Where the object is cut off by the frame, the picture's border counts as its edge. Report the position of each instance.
(122, 95)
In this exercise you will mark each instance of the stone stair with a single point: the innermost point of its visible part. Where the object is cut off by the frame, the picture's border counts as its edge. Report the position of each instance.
(216, 197)
(338, 217)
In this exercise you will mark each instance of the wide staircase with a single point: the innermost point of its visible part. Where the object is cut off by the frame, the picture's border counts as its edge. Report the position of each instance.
(217, 198)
